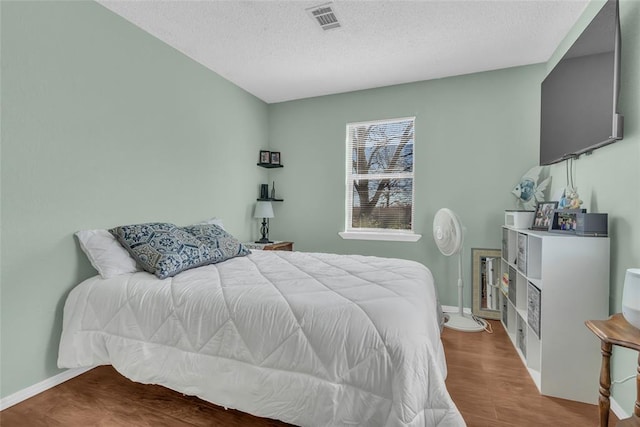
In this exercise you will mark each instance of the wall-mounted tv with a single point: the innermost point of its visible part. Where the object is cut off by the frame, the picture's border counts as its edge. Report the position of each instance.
(579, 105)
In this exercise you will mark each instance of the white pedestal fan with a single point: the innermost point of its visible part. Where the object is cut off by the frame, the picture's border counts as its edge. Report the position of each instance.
(449, 236)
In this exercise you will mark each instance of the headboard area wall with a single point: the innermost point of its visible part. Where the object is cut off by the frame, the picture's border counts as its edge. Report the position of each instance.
(103, 125)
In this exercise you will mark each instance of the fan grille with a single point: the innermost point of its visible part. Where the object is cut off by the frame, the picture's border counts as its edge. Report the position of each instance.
(447, 232)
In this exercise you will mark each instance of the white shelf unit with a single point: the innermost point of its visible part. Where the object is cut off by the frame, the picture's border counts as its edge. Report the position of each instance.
(560, 281)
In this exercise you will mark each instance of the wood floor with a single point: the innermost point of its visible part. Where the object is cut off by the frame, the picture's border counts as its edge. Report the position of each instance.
(486, 380)
(492, 388)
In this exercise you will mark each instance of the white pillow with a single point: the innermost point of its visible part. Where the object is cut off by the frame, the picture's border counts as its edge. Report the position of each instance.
(214, 220)
(105, 253)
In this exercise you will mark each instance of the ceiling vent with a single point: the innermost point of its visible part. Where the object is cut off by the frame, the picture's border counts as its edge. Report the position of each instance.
(325, 16)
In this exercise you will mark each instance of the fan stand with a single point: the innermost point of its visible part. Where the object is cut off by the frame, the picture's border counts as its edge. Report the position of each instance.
(460, 321)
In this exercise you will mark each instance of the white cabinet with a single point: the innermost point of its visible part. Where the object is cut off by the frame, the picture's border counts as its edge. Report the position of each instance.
(552, 283)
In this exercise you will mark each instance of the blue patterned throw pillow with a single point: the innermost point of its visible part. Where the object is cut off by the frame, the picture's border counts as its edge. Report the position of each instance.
(163, 249)
(222, 245)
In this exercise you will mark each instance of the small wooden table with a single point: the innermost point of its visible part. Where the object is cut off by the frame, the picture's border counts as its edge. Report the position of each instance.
(615, 331)
(275, 246)
(279, 246)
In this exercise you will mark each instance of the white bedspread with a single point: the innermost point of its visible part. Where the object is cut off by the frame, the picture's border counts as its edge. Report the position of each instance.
(311, 339)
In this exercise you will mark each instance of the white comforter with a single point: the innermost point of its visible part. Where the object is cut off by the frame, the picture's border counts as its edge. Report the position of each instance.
(310, 339)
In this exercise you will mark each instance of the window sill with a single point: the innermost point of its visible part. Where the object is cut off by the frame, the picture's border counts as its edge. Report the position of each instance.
(391, 237)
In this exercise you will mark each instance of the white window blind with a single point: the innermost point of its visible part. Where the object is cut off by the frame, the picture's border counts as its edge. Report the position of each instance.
(380, 176)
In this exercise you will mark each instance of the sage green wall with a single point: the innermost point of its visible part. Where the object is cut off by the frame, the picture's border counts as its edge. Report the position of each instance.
(609, 180)
(475, 136)
(102, 124)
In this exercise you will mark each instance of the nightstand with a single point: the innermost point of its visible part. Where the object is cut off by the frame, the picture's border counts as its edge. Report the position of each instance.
(275, 246)
(615, 331)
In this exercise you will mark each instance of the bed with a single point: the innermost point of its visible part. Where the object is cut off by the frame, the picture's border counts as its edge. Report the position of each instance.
(311, 339)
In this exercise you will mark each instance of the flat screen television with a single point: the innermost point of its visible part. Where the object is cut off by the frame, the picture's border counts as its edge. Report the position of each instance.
(579, 103)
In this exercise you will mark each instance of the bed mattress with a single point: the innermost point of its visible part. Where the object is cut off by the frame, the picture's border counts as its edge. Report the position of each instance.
(308, 338)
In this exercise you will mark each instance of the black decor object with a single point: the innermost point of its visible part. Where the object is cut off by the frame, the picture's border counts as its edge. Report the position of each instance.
(264, 191)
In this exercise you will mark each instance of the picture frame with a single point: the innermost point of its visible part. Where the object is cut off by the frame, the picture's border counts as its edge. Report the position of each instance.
(544, 215)
(275, 157)
(265, 157)
(486, 282)
(565, 220)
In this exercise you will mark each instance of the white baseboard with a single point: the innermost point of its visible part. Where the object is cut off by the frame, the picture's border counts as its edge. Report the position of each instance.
(452, 309)
(617, 409)
(38, 388)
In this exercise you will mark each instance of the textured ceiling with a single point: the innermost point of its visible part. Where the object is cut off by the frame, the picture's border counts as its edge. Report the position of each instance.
(276, 51)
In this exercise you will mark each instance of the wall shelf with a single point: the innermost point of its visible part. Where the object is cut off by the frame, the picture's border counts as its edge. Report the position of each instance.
(270, 200)
(269, 165)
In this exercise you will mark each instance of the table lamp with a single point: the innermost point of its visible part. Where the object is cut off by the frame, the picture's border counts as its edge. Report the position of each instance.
(631, 297)
(264, 210)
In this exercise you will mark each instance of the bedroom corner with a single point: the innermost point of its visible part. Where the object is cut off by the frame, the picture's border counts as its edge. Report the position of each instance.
(103, 124)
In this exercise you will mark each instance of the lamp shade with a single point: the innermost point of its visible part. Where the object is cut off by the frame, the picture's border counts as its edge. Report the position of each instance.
(631, 297)
(263, 210)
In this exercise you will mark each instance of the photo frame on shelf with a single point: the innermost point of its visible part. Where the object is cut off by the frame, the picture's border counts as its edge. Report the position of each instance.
(544, 215)
(265, 156)
(565, 220)
(275, 157)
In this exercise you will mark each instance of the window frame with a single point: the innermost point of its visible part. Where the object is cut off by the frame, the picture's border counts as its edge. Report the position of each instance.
(383, 234)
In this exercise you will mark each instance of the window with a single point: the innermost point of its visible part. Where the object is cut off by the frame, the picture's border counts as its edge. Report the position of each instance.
(379, 187)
